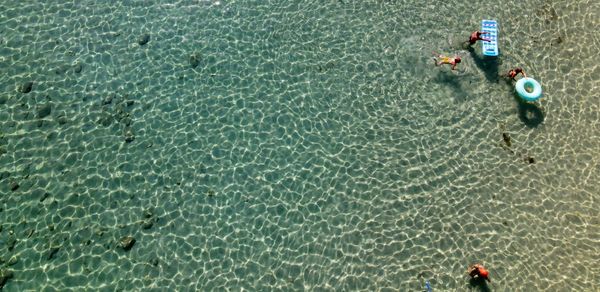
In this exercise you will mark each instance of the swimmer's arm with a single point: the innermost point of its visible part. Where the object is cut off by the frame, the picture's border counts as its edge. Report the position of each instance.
(485, 32)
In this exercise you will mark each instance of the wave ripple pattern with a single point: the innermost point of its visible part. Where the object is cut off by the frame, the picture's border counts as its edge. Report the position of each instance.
(296, 145)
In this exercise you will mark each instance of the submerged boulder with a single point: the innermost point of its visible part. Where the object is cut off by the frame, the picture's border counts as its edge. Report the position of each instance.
(126, 243)
(5, 275)
(44, 110)
(26, 87)
(143, 39)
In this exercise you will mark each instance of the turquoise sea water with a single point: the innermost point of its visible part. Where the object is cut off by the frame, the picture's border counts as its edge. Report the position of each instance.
(296, 145)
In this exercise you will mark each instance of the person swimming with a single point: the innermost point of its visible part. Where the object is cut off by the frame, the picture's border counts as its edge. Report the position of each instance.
(478, 271)
(476, 36)
(514, 72)
(441, 60)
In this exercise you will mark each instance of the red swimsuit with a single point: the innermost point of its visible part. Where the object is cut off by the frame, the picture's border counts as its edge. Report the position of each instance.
(513, 73)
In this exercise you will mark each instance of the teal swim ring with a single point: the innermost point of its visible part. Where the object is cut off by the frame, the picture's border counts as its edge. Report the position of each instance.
(535, 89)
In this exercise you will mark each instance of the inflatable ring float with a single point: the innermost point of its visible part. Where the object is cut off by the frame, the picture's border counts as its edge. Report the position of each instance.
(528, 89)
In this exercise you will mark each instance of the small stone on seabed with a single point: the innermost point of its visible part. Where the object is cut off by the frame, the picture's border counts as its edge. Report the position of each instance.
(44, 110)
(78, 67)
(14, 185)
(108, 99)
(5, 275)
(26, 87)
(147, 224)
(148, 213)
(507, 139)
(127, 242)
(144, 39)
(194, 60)
(129, 136)
(13, 260)
(52, 252)
(62, 119)
(12, 241)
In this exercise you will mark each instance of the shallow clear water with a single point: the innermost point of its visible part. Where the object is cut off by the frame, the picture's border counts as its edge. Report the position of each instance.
(263, 145)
